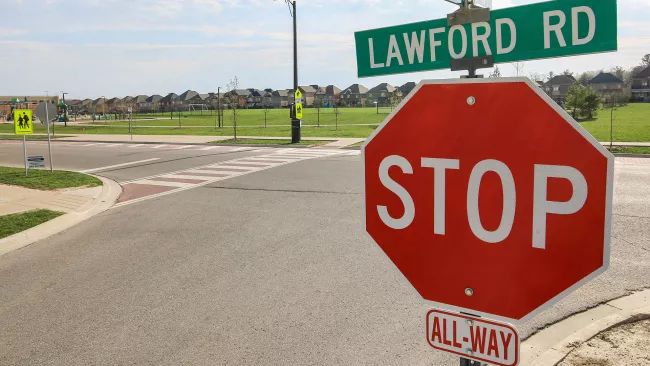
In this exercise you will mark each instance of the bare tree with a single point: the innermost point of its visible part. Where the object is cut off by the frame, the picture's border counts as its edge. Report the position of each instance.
(536, 76)
(496, 73)
(233, 99)
(645, 60)
(519, 67)
(267, 109)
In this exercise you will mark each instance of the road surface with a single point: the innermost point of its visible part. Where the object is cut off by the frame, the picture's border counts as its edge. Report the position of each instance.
(271, 267)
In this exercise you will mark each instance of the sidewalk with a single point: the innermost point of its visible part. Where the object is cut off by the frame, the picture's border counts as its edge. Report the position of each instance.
(337, 142)
(77, 204)
(15, 199)
(190, 139)
(555, 343)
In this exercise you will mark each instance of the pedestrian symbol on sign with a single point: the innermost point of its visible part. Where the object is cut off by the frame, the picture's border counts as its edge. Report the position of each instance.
(299, 110)
(23, 122)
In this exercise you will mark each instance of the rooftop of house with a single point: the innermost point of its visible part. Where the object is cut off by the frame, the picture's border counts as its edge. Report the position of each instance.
(605, 78)
(381, 88)
(643, 74)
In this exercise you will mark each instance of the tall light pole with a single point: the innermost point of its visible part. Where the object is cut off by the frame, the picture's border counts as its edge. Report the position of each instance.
(295, 122)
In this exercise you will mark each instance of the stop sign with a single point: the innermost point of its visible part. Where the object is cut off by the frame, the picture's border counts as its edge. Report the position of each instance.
(488, 197)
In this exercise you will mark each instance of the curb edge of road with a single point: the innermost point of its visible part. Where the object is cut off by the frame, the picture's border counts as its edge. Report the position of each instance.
(111, 191)
(554, 343)
(176, 143)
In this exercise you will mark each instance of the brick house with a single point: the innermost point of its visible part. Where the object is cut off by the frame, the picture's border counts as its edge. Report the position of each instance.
(609, 87)
(353, 95)
(382, 94)
(558, 87)
(640, 86)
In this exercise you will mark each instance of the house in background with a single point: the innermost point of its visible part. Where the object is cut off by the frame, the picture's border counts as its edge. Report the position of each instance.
(169, 102)
(238, 96)
(610, 87)
(267, 96)
(383, 94)
(255, 98)
(328, 96)
(558, 86)
(640, 86)
(353, 95)
(186, 98)
(280, 98)
(151, 104)
(407, 88)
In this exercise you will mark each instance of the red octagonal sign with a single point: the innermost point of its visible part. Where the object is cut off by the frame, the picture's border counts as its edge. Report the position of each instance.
(488, 197)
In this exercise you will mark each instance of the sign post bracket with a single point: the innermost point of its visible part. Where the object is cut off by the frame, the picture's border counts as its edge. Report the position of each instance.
(467, 14)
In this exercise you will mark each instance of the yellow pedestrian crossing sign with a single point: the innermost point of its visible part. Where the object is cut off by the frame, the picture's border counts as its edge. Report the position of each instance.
(23, 122)
(299, 110)
(297, 95)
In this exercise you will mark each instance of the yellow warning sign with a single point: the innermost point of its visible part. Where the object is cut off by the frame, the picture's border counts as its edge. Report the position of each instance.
(23, 122)
(299, 110)
(297, 95)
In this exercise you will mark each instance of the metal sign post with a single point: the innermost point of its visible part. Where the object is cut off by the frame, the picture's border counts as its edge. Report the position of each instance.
(49, 141)
(25, 152)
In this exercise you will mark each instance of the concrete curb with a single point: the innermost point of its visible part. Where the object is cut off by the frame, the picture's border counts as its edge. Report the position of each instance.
(551, 345)
(111, 191)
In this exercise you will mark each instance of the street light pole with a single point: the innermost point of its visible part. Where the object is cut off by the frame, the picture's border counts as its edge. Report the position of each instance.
(295, 122)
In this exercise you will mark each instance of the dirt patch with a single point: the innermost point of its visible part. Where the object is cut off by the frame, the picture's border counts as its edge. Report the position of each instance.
(626, 345)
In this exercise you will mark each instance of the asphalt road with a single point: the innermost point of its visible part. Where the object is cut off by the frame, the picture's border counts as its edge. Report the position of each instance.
(270, 268)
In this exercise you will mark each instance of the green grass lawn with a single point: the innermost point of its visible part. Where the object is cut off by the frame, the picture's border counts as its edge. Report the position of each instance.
(269, 142)
(275, 117)
(44, 180)
(631, 123)
(629, 149)
(15, 223)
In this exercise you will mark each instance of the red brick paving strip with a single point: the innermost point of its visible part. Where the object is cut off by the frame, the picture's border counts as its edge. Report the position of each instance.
(134, 191)
(180, 180)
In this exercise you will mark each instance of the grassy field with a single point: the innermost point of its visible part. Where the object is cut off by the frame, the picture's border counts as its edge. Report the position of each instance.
(15, 223)
(275, 117)
(44, 180)
(269, 142)
(631, 123)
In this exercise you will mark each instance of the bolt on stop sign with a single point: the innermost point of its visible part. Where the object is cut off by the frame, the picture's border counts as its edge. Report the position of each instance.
(488, 197)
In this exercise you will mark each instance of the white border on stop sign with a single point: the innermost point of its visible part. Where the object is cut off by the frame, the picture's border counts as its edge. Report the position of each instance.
(575, 125)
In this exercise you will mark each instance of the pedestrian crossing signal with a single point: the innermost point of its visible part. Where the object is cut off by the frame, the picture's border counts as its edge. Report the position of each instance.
(299, 110)
(23, 122)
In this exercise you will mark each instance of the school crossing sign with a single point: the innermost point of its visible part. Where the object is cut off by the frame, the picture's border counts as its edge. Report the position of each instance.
(536, 31)
(23, 122)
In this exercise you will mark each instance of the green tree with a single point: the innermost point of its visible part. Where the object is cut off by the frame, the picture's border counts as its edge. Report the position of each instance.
(586, 76)
(575, 98)
(619, 72)
(590, 103)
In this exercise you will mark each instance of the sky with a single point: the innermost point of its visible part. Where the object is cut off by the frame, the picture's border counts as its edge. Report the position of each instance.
(115, 48)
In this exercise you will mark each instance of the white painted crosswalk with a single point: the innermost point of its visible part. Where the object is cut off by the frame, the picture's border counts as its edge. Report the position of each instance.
(168, 183)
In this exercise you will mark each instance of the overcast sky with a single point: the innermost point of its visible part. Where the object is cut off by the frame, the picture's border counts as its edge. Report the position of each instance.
(93, 48)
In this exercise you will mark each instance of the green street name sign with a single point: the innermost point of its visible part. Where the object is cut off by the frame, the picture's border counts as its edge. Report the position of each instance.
(543, 30)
